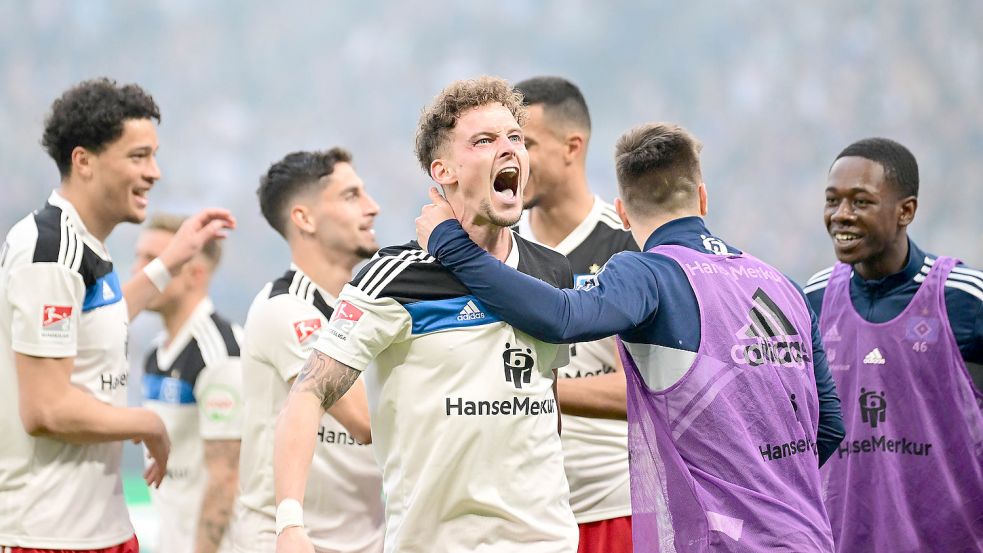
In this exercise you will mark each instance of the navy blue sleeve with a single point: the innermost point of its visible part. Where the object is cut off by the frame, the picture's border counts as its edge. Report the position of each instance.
(966, 319)
(831, 429)
(815, 299)
(622, 298)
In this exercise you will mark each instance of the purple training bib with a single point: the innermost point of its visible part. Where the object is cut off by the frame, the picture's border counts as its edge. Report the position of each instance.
(909, 475)
(726, 458)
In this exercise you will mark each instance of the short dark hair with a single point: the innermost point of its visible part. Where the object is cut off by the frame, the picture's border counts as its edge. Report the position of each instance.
(91, 115)
(900, 166)
(295, 174)
(560, 99)
(658, 167)
(440, 117)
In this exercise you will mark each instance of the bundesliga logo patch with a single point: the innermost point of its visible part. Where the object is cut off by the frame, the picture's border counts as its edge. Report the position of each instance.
(56, 321)
(307, 328)
(343, 319)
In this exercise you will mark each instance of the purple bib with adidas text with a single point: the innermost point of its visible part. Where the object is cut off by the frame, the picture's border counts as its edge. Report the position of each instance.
(725, 459)
(909, 475)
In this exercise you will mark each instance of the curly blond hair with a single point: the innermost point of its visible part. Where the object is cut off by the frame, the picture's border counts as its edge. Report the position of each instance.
(440, 117)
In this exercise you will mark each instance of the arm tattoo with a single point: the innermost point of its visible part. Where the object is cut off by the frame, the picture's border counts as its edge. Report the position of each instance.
(324, 377)
(222, 459)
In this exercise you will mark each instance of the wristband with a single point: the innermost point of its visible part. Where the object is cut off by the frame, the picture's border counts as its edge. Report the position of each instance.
(158, 274)
(289, 513)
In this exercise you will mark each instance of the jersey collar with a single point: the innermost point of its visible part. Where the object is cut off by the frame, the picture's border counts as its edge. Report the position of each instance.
(512, 260)
(576, 236)
(328, 298)
(911, 269)
(167, 354)
(68, 209)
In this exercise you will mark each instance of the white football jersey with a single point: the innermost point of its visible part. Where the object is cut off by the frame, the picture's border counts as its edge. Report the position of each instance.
(60, 297)
(343, 510)
(464, 420)
(194, 383)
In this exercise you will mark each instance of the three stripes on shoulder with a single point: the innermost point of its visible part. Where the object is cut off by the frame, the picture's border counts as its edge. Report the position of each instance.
(70, 247)
(960, 278)
(386, 268)
(610, 218)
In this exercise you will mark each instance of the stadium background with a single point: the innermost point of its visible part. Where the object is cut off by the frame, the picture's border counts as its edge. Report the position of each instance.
(773, 89)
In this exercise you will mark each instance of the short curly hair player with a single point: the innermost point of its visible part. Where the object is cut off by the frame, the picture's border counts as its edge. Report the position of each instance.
(463, 411)
(63, 328)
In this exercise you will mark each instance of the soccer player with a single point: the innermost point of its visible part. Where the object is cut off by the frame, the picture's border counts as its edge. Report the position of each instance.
(901, 327)
(722, 357)
(563, 214)
(463, 410)
(193, 380)
(63, 328)
(317, 202)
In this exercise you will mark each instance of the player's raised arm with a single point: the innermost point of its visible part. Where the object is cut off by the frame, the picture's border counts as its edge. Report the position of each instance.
(197, 230)
(319, 385)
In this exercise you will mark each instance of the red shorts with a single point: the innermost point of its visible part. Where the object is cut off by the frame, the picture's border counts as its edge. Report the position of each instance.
(130, 546)
(606, 536)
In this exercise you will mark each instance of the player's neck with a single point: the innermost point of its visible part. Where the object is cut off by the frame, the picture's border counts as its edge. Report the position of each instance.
(177, 316)
(558, 214)
(892, 260)
(643, 227)
(329, 274)
(494, 239)
(94, 222)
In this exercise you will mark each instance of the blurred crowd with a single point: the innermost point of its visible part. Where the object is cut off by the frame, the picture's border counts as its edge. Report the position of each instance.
(773, 90)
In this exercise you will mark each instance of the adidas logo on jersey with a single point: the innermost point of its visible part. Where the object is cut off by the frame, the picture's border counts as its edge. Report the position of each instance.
(107, 291)
(774, 338)
(874, 358)
(470, 312)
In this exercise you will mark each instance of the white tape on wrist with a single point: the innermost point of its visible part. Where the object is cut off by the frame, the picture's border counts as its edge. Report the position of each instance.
(289, 513)
(158, 274)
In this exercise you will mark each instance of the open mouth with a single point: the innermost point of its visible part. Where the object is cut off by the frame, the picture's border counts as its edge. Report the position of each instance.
(845, 238)
(141, 196)
(507, 182)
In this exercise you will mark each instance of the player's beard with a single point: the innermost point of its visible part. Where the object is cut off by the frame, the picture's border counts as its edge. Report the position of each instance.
(489, 213)
(364, 252)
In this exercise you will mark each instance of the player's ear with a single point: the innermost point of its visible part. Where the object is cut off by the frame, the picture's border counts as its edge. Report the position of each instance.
(82, 162)
(704, 202)
(619, 206)
(906, 210)
(576, 147)
(302, 218)
(442, 173)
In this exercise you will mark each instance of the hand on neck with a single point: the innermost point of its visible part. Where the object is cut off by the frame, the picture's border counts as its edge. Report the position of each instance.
(494, 239)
